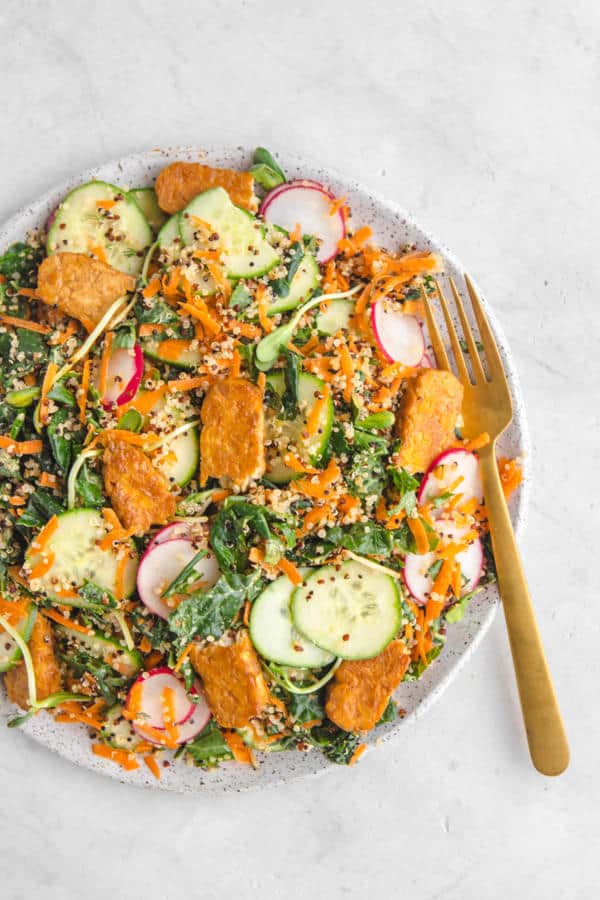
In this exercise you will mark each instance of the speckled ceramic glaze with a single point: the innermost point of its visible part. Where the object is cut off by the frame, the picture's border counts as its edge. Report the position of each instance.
(392, 228)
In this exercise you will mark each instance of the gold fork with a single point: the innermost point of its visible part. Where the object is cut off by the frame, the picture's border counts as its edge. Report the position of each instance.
(487, 408)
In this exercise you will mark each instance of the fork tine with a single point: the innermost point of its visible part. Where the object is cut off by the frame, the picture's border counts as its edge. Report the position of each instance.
(463, 372)
(439, 351)
(495, 367)
(478, 373)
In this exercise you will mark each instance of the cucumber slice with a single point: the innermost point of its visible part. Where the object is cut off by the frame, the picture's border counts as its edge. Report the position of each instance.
(182, 459)
(147, 202)
(78, 558)
(126, 662)
(117, 731)
(121, 230)
(9, 650)
(169, 233)
(273, 633)
(246, 252)
(336, 317)
(305, 281)
(309, 449)
(177, 353)
(350, 610)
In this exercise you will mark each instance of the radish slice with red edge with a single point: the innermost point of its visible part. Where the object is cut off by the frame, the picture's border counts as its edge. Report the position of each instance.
(124, 376)
(148, 693)
(305, 182)
(416, 566)
(160, 566)
(426, 362)
(186, 732)
(444, 471)
(171, 532)
(399, 336)
(308, 204)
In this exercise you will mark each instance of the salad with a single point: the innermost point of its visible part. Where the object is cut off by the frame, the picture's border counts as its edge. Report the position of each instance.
(237, 509)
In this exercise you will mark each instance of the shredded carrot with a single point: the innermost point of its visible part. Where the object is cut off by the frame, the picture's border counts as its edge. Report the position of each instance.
(43, 567)
(186, 384)
(46, 386)
(241, 753)
(357, 754)
(456, 580)
(347, 371)
(104, 363)
(167, 698)
(152, 764)
(145, 401)
(381, 513)
(106, 204)
(443, 579)
(421, 631)
(336, 205)
(129, 437)
(246, 616)
(148, 329)
(145, 645)
(350, 246)
(68, 623)
(296, 233)
(314, 515)
(317, 486)
(83, 391)
(48, 480)
(511, 475)
(45, 534)
(288, 568)
(182, 657)
(420, 535)
(15, 500)
(152, 288)
(346, 503)
(262, 299)
(14, 610)
(237, 364)
(199, 311)
(120, 575)
(261, 381)
(122, 757)
(25, 324)
(314, 417)
(21, 448)
(246, 330)
(295, 463)
(476, 443)
(219, 277)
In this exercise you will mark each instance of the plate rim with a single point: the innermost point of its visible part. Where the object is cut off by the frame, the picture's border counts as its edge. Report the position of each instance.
(519, 513)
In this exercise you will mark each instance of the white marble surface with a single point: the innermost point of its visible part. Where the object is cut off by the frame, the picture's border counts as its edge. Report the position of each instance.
(482, 119)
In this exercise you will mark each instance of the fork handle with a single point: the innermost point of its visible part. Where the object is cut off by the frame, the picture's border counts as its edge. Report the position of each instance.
(546, 735)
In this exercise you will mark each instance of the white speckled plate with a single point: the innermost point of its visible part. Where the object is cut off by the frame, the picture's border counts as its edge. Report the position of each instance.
(392, 228)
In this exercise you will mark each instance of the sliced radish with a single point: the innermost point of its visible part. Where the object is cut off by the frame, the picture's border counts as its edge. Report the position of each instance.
(446, 469)
(171, 532)
(124, 376)
(308, 204)
(148, 692)
(190, 729)
(162, 563)
(305, 182)
(399, 336)
(416, 567)
(426, 362)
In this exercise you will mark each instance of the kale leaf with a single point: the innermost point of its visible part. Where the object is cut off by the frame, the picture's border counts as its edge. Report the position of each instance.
(238, 523)
(109, 682)
(209, 613)
(291, 374)
(365, 538)
(337, 745)
(42, 505)
(304, 707)
(90, 487)
(209, 748)
(19, 264)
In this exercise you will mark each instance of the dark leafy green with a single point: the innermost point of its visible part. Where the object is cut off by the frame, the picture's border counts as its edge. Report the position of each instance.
(210, 613)
(390, 713)
(281, 286)
(240, 297)
(239, 524)
(291, 374)
(42, 505)
(365, 538)
(337, 745)
(156, 313)
(304, 707)
(60, 438)
(90, 487)
(110, 683)
(209, 748)
(19, 264)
